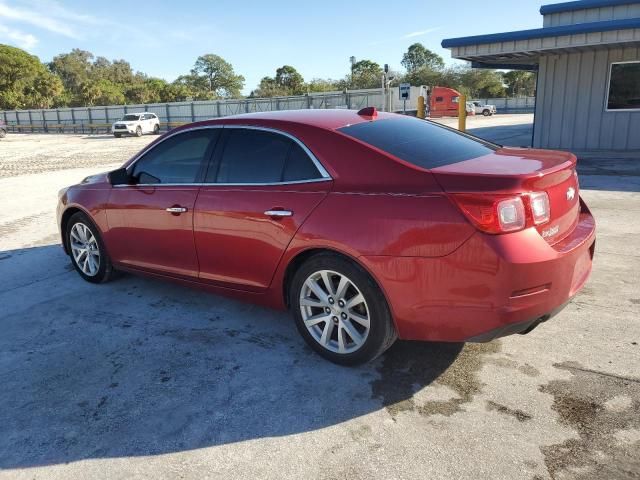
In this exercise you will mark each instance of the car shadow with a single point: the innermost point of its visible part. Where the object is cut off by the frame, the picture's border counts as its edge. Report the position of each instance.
(143, 367)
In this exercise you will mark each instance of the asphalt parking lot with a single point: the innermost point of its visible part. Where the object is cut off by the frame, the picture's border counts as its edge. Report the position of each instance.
(144, 379)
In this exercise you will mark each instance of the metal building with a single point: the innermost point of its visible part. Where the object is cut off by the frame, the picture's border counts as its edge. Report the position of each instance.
(587, 56)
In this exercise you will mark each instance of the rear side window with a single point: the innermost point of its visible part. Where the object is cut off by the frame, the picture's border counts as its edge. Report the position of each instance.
(419, 142)
(177, 159)
(299, 166)
(255, 156)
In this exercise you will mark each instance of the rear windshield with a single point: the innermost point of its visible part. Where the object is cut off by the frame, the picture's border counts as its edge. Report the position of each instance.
(422, 143)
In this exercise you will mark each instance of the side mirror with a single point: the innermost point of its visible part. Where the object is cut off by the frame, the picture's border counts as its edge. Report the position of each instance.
(119, 177)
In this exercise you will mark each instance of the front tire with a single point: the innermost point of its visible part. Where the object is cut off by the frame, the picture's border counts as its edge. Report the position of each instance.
(117, 135)
(86, 249)
(340, 311)
(486, 113)
(138, 131)
(3, 133)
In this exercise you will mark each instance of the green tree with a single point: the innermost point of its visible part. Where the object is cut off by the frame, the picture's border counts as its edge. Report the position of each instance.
(46, 88)
(481, 83)
(290, 80)
(220, 77)
(419, 57)
(89, 93)
(109, 93)
(322, 85)
(18, 72)
(73, 68)
(269, 87)
(175, 92)
(520, 82)
(366, 74)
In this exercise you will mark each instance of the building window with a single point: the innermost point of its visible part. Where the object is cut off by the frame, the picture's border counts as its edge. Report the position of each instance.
(624, 86)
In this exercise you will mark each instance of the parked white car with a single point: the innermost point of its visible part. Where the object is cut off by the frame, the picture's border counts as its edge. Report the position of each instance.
(136, 124)
(485, 110)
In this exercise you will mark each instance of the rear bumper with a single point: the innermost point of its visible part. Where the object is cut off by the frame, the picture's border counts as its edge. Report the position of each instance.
(493, 285)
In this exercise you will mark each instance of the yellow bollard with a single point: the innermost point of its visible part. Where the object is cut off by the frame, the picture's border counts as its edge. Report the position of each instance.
(462, 113)
(421, 111)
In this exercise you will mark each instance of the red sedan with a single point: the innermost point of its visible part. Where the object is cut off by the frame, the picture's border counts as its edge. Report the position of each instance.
(367, 226)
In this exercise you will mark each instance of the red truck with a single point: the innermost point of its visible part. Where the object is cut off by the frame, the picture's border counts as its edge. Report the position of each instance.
(443, 102)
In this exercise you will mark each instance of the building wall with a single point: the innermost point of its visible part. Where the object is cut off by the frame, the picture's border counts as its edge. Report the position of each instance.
(571, 103)
(585, 15)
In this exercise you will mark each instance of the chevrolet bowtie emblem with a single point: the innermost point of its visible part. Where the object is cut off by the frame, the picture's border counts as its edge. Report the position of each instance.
(571, 193)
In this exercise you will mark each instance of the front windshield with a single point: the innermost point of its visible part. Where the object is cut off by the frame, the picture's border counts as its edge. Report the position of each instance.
(130, 117)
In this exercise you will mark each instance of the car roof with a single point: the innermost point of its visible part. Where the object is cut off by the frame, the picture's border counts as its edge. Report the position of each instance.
(330, 119)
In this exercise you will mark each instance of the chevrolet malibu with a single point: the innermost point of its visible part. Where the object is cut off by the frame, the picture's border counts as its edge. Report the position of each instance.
(367, 226)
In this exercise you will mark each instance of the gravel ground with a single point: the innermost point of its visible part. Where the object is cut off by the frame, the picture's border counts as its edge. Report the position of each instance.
(144, 379)
(23, 153)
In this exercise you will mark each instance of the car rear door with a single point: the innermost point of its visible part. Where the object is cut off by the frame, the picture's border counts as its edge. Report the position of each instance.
(260, 187)
(151, 222)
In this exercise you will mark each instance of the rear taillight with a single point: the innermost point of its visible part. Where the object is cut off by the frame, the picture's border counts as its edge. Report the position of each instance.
(504, 213)
(511, 215)
(540, 210)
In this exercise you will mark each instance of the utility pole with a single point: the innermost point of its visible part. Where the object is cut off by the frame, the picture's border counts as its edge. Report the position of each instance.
(352, 59)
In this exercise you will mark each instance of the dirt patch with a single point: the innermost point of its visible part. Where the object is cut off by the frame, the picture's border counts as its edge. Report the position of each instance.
(412, 365)
(589, 402)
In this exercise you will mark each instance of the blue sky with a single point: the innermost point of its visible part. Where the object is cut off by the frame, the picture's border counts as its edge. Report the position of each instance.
(163, 39)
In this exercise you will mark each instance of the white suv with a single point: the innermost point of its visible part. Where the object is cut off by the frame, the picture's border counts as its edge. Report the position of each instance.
(136, 124)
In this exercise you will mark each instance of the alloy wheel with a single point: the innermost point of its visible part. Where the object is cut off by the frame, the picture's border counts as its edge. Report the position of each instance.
(334, 311)
(85, 249)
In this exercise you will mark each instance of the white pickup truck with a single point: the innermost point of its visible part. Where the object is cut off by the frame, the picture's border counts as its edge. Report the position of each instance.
(485, 110)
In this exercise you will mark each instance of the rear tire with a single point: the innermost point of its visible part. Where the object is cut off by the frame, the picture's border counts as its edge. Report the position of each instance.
(156, 129)
(347, 322)
(86, 249)
(138, 131)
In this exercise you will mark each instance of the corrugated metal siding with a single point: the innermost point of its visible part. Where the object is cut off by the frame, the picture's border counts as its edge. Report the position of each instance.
(617, 12)
(570, 111)
(580, 40)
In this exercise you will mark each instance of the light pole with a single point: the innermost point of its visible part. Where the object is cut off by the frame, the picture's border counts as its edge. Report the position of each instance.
(352, 59)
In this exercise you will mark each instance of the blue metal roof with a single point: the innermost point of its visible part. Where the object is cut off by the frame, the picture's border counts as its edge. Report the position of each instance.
(543, 32)
(582, 4)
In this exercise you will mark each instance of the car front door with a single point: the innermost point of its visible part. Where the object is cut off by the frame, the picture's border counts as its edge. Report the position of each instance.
(260, 187)
(151, 221)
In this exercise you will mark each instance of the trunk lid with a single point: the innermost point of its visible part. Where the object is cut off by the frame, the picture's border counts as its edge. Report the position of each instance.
(521, 171)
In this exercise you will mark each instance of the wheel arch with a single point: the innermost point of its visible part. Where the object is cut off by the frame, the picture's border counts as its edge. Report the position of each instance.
(64, 220)
(299, 258)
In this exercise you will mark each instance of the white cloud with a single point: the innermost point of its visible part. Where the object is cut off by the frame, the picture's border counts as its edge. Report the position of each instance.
(405, 36)
(16, 37)
(419, 33)
(48, 15)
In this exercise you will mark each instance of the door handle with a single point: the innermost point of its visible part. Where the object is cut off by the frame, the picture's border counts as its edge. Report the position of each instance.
(176, 209)
(278, 213)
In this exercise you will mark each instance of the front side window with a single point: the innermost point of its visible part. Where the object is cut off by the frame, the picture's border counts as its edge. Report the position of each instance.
(256, 157)
(177, 159)
(624, 86)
